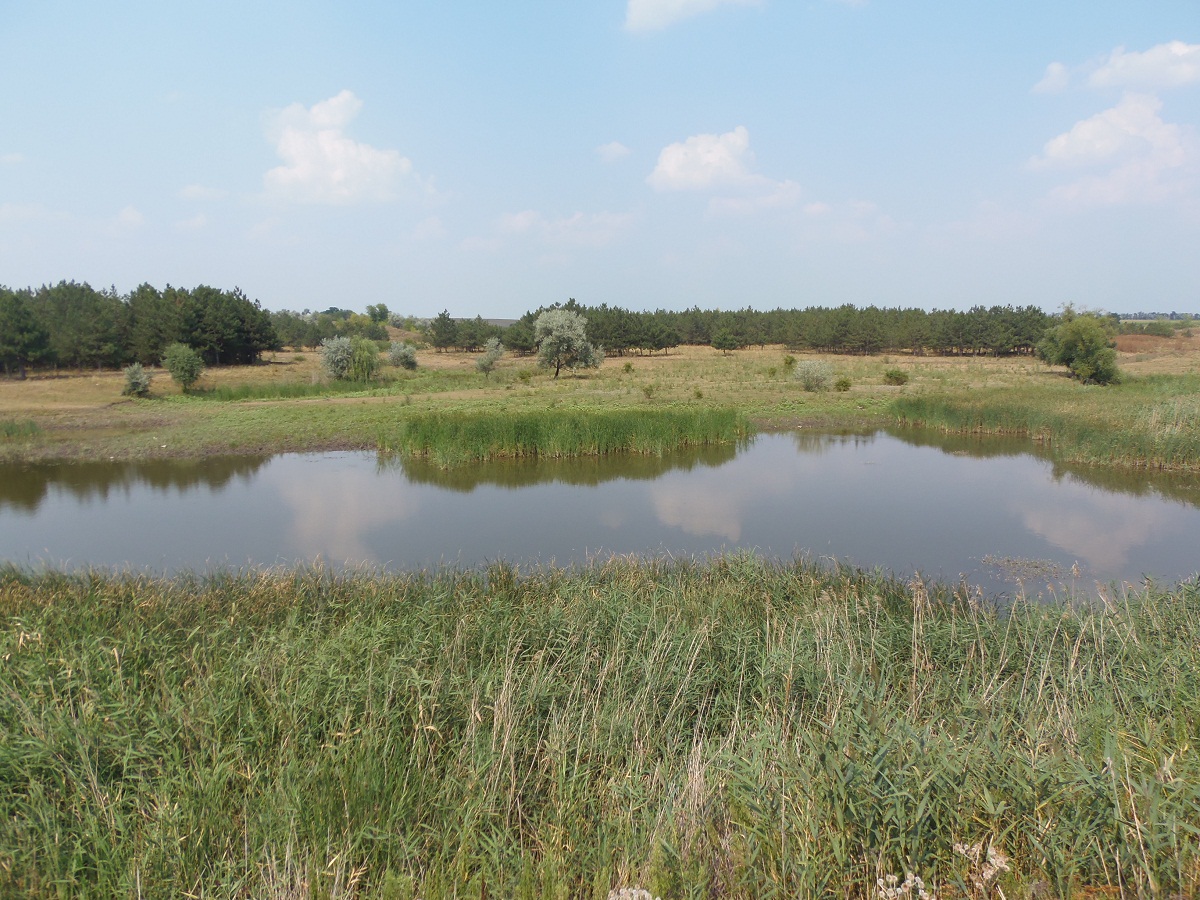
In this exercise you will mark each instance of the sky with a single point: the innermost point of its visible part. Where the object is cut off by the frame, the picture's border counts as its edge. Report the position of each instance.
(490, 158)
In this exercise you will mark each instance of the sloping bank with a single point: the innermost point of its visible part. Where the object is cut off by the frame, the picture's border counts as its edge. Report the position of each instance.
(1149, 423)
(460, 437)
(737, 728)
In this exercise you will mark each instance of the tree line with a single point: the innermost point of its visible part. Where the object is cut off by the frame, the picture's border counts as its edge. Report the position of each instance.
(996, 330)
(77, 326)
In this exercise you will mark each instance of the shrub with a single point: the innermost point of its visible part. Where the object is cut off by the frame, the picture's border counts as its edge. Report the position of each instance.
(364, 359)
(184, 364)
(895, 377)
(789, 363)
(627, 368)
(842, 384)
(137, 381)
(1083, 343)
(403, 355)
(814, 375)
(492, 351)
(336, 354)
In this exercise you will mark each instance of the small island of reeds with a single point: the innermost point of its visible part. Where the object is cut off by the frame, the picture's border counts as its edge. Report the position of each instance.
(458, 437)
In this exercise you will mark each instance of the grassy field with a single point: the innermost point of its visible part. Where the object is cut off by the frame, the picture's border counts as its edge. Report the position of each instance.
(284, 404)
(737, 729)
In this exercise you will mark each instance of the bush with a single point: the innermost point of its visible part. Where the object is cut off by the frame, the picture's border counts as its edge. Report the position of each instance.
(789, 363)
(842, 385)
(403, 355)
(364, 359)
(1083, 343)
(895, 377)
(814, 375)
(184, 364)
(492, 351)
(336, 354)
(137, 381)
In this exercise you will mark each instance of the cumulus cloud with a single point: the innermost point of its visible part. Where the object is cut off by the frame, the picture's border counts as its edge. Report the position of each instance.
(1132, 155)
(200, 192)
(1164, 66)
(1169, 65)
(578, 229)
(705, 161)
(322, 164)
(612, 151)
(654, 15)
(129, 217)
(1056, 79)
(195, 223)
(779, 195)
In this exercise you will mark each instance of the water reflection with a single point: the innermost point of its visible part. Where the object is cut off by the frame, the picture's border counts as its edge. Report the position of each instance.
(25, 486)
(585, 471)
(910, 502)
(1139, 482)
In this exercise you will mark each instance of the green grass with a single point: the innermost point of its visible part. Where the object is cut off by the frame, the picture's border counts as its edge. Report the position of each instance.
(452, 438)
(737, 728)
(1151, 422)
(284, 390)
(14, 429)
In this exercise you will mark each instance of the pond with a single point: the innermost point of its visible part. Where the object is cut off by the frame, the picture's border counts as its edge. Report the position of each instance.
(989, 513)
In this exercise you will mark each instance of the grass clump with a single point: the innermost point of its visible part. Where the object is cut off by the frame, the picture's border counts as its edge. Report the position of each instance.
(16, 429)
(737, 728)
(895, 377)
(454, 438)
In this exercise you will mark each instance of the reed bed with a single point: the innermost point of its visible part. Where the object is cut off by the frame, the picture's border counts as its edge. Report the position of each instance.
(734, 728)
(1151, 422)
(287, 390)
(454, 438)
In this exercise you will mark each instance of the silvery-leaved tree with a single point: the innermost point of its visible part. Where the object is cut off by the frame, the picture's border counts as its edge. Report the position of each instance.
(561, 337)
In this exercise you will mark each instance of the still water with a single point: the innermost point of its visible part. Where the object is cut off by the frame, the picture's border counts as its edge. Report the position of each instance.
(987, 512)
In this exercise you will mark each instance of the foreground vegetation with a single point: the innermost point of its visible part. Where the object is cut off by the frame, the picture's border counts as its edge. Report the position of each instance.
(736, 728)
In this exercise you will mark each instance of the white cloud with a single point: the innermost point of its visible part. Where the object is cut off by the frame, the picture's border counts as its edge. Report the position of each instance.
(579, 229)
(1056, 79)
(654, 15)
(11, 159)
(781, 195)
(193, 224)
(200, 192)
(323, 165)
(612, 151)
(1166, 65)
(705, 161)
(129, 217)
(430, 228)
(1139, 156)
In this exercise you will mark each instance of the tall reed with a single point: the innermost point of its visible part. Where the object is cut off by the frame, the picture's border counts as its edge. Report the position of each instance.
(735, 728)
(452, 438)
(1145, 423)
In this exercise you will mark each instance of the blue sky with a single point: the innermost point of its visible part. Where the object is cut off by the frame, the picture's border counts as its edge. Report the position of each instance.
(489, 158)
